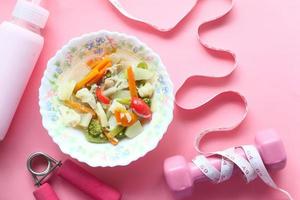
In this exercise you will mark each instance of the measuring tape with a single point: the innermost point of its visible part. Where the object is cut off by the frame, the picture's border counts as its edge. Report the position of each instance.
(251, 167)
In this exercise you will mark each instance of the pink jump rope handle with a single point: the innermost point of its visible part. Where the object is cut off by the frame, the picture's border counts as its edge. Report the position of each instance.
(86, 182)
(45, 192)
(181, 175)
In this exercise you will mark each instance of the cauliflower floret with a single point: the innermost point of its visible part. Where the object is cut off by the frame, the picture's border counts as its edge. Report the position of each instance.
(120, 85)
(86, 97)
(116, 106)
(108, 83)
(93, 88)
(146, 90)
(69, 116)
(115, 69)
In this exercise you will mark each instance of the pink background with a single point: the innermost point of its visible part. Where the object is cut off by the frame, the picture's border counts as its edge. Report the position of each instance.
(265, 36)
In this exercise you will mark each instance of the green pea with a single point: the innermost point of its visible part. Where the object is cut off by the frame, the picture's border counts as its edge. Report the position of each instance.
(107, 75)
(143, 65)
(147, 101)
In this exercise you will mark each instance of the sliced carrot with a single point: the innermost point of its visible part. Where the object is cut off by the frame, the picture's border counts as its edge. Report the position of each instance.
(85, 80)
(102, 63)
(131, 82)
(96, 61)
(79, 107)
(93, 62)
(93, 73)
(99, 75)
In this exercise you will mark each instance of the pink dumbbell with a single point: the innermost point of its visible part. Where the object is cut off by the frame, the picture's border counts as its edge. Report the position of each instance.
(181, 175)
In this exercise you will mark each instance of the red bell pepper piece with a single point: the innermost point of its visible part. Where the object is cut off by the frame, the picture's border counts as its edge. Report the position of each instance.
(101, 97)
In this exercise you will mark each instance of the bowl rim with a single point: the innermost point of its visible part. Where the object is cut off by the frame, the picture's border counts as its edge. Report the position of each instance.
(84, 37)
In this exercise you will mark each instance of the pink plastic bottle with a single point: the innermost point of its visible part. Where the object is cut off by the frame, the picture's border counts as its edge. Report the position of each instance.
(20, 47)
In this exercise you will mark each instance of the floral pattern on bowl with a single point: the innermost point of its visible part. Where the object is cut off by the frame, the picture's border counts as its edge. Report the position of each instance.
(71, 141)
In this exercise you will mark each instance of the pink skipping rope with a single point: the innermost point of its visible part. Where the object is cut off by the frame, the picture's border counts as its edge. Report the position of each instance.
(82, 180)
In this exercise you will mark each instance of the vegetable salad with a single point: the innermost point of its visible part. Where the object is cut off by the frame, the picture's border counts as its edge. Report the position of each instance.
(111, 99)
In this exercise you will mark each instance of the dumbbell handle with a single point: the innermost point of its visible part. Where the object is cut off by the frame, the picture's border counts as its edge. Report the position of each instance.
(86, 182)
(199, 176)
(45, 192)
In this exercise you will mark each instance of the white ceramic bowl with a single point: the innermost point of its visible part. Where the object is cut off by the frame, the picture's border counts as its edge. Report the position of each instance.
(72, 141)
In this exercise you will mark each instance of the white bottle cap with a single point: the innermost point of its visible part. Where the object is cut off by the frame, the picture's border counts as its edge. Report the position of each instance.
(31, 12)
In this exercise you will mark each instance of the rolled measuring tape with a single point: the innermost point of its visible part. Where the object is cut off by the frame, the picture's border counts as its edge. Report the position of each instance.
(252, 165)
